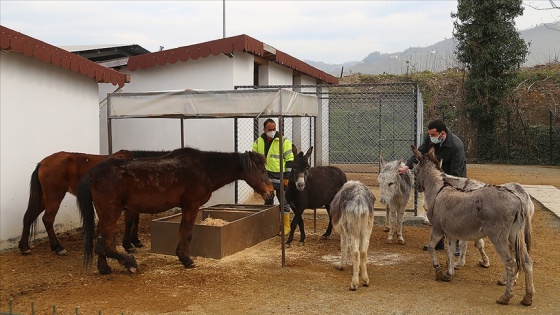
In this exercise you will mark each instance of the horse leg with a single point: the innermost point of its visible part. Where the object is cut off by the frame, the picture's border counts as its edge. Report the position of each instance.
(130, 237)
(463, 247)
(485, 261)
(188, 219)
(387, 226)
(52, 204)
(400, 213)
(106, 246)
(28, 222)
(328, 232)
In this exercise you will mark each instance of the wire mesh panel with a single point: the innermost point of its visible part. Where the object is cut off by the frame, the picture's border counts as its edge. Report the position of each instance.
(357, 124)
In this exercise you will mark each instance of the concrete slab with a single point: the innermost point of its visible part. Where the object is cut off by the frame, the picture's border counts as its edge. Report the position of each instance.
(547, 195)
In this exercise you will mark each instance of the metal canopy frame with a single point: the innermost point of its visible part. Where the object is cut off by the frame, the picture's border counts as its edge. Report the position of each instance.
(191, 104)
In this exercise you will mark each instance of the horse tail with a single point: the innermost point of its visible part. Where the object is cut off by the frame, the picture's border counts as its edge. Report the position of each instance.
(85, 203)
(35, 204)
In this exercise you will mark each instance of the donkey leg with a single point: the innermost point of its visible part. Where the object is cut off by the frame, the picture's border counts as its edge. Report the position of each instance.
(387, 226)
(461, 262)
(450, 258)
(343, 262)
(485, 261)
(328, 232)
(355, 262)
(434, 239)
(301, 232)
(400, 213)
(364, 245)
(502, 248)
(391, 220)
(293, 224)
(527, 264)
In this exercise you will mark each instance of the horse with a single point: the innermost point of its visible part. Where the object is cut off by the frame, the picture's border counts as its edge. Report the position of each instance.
(58, 174)
(310, 188)
(496, 212)
(352, 217)
(395, 190)
(183, 178)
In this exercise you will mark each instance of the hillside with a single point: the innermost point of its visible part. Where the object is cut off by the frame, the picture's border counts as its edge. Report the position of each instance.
(544, 48)
(534, 106)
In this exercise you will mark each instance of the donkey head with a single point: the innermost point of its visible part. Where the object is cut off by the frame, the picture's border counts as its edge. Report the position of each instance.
(300, 167)
(388, 179)
(427, 163)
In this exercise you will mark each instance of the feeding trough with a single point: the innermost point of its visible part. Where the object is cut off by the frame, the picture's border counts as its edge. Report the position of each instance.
(242, 226)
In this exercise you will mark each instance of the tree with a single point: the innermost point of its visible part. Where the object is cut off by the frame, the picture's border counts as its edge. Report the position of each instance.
(491, 50)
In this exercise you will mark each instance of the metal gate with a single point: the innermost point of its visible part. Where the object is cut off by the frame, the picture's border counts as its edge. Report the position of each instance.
(357, 124)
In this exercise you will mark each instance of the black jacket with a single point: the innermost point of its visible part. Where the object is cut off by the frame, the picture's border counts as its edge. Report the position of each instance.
(451, 151)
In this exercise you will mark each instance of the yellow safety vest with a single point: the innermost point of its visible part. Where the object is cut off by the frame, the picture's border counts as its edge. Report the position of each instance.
(273, 157)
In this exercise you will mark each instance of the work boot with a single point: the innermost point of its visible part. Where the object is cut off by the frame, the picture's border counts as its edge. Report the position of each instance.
(286, 224)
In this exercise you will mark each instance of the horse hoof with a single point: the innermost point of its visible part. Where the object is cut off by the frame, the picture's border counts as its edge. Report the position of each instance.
(131, 250)
(288, 245)
(138, 244)
(105, 270)
(62, 252)
(26, 252)
(385, 229)
(400, 242)
(353, 288)
(503, 300)
(132, 270)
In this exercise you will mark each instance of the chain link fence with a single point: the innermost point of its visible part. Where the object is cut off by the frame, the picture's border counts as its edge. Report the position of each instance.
(356, 125)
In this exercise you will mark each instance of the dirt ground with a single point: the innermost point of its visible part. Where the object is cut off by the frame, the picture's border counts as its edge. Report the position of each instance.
(253, 281)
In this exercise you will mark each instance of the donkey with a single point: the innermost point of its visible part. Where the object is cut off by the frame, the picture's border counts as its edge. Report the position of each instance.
(493, 211)
(310, 188)
(395, 190)
(352, 217)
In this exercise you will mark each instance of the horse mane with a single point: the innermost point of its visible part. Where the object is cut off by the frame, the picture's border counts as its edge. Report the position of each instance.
(148, 153)
(249, 160)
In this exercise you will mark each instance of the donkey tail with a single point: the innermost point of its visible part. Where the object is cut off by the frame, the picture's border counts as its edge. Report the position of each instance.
(35, 204)
(87, 214)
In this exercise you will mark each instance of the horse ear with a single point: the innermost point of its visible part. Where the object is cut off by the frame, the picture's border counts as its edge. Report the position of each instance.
(294, 149)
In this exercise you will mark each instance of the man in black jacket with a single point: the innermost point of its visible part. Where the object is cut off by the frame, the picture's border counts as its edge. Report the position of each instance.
(449, 148)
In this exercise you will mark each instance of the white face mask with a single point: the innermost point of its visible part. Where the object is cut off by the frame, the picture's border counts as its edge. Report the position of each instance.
(435, 140)
(271, 134)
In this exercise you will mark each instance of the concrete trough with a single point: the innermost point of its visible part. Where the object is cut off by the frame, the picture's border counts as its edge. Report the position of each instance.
(246, 225)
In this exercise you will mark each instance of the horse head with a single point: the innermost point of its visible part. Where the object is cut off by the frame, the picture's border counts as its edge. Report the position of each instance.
(255, 174)
(300, 167)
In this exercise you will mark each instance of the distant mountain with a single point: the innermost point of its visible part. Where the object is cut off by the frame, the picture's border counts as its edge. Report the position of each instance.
(544, 48)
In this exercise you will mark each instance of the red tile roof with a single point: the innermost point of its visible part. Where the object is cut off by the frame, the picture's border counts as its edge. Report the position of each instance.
(13, 41)
(229, 45)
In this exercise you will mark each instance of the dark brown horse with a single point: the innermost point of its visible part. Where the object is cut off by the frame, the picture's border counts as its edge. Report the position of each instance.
(57, 174)
(184, 178)
(311, 188)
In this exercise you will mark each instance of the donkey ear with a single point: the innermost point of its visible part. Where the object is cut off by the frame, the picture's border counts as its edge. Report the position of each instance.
(308, 153)
(381, 161)
(417, 153)
(294, 149)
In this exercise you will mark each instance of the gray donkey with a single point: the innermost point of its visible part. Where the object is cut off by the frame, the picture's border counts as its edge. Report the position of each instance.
(395, 190)
(497, 212)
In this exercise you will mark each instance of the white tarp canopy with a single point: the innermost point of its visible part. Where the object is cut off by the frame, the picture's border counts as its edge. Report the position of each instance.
(206, 104)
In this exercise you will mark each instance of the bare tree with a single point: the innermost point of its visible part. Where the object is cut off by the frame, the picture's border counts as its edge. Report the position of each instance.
(552, 5)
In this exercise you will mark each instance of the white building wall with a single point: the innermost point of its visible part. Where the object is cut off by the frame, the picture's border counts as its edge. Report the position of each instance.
(44, 109)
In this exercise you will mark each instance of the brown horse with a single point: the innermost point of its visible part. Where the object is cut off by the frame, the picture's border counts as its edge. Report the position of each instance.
(184, 178)
(57, 174)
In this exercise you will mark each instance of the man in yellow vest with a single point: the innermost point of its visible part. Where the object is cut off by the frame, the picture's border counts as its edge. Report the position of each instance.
(268, 144)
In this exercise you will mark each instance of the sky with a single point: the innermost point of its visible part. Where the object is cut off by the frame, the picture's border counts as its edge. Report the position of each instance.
(331, 31)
